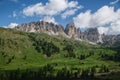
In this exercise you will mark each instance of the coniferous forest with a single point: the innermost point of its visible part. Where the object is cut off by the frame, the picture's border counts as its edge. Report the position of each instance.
(38, 56)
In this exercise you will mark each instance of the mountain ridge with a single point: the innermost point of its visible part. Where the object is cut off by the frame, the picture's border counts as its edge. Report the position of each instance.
(90, 35)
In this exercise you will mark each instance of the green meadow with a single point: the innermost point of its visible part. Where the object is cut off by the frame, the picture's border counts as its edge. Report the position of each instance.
(22, 50)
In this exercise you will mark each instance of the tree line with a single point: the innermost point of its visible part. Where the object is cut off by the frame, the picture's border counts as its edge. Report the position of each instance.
(42, 46)
(48, 72)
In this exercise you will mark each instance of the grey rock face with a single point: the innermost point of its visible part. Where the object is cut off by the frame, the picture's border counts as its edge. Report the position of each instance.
(111, 40)
(90, 35)
(72, 31)
(41, 26)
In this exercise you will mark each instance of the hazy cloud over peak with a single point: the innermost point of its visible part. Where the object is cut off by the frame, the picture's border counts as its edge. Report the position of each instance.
(11, 25)
(104, 16)
(49, 19)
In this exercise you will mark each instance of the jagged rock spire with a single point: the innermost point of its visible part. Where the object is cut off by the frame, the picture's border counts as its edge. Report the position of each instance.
(91, 34)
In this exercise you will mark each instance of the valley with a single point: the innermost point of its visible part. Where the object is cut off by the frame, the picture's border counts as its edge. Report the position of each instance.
(26, 52)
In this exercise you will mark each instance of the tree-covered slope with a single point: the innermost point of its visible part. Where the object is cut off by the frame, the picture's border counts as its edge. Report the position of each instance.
(21, 50)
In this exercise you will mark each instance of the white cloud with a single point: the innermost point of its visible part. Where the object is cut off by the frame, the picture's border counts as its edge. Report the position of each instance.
(115, 2)
(102, 17)
(73, 4)
(103, 30)
(83, 20)
(33, 9)
(72, 8)
(68, 13)
(114, 27)
(49, 19)
(55, 6)
(51, 8)
(11, 25)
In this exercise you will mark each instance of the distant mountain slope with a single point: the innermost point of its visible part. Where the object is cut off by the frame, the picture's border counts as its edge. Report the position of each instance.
(111, 40)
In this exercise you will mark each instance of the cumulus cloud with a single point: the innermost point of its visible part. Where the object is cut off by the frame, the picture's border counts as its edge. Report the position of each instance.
(114, 28)
(104, 16)
(83, 19)
(33, 9)
(11, 25)
(72, 8)
(68, 13)
(49, 19)
(103, 30)
(51, 8)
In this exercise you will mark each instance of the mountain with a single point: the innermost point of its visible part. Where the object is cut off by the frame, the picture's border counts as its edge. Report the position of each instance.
(42, 27)
(31, 55)
(70, 31)
(23, 49)
(90, 35)
(111, 40)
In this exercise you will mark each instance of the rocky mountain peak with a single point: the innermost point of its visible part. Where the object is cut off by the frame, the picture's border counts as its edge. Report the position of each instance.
(90, 35)
(72, 31)
(41, 26)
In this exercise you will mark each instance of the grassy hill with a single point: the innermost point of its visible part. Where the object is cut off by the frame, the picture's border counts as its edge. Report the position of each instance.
(22, 50)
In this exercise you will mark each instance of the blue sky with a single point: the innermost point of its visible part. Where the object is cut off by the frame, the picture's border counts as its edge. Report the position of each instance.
(20, 11)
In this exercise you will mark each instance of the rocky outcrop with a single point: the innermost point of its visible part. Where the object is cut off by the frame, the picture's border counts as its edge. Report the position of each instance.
(89, 35)
(60, 30)
(111, 40)
(41, 26)
(72, 31)
(92, 35)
